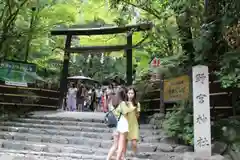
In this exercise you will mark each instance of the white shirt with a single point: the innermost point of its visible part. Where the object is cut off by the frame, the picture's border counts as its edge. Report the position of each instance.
(98, 93)
(89, 94)
(72, 92)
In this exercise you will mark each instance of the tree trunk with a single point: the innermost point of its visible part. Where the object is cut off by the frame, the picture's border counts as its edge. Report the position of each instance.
(186, 36)
(213, 17)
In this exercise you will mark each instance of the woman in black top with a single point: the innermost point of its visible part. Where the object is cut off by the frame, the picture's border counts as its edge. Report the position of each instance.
(93, 100)
(80, 98)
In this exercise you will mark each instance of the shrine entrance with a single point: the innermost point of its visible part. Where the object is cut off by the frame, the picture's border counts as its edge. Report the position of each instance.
(70, 32)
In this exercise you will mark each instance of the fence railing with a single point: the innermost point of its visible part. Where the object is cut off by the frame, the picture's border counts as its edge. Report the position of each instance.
(28, 96)
(222, 100)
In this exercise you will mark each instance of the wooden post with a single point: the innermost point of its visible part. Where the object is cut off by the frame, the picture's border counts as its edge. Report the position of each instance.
(162, 105)
(129, 69)
(235, 95)
(63, 82)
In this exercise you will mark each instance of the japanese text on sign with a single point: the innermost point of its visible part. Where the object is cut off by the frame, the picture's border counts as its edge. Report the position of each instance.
(202, 142)
(201, 108)
(176, 89)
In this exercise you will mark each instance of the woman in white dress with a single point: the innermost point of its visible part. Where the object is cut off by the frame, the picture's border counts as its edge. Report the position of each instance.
(120, 134)
(71, 98)
(122, 126)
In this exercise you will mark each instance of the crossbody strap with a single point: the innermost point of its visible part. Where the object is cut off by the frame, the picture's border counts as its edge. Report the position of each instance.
(120, 113)
(120, 116)
(111, 111)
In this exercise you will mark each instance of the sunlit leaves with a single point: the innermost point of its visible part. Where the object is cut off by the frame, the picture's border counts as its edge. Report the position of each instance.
(97, 9)
(164, 38)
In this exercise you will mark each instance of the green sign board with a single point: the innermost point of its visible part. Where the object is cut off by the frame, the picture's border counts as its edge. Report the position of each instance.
(17, 73)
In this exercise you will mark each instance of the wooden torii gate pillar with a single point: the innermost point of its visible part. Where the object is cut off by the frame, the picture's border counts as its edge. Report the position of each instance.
(97, 31)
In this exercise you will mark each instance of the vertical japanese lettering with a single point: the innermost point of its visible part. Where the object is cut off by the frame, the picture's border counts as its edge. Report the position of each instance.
(201, 97)
(201, 119)
(200, 77)
(202, 142)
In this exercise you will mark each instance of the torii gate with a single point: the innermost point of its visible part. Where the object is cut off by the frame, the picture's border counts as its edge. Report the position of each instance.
(70, 32)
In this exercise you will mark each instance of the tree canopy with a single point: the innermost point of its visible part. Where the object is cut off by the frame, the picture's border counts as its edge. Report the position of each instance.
(185, 33)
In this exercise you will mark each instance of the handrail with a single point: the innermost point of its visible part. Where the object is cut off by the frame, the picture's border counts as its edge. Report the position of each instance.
(24, 104)
(26, 95)
(225, 107)
(149, 100)
(28, 88)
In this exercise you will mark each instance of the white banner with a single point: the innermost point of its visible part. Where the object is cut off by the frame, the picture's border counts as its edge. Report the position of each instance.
(20, 84)
(201, 110)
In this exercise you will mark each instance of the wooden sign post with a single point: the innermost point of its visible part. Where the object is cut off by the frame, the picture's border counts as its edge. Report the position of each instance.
(176, 89)
(201, 111)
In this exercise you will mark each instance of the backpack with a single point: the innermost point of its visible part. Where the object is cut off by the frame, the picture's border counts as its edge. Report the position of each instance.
(111, 120)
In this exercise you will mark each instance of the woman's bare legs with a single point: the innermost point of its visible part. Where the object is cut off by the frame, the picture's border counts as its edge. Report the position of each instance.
(114, 147)
(134, 146)
(125, 148)
(121, 145)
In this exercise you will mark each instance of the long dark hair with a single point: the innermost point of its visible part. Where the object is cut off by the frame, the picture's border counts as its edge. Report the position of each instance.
(134, 99)
(120, 96)
(73, 85)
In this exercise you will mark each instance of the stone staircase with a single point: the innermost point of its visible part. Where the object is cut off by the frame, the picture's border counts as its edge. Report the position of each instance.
(72, 136)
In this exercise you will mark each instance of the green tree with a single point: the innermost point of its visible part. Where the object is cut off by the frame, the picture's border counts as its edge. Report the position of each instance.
(173, 25)
(93, 67)
(28, 37)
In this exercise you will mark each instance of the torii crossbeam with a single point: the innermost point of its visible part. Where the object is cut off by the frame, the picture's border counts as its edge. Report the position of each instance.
(129, 29)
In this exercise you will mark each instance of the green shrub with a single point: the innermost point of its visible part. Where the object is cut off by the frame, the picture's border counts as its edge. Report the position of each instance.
(228, 131)
(179, 123)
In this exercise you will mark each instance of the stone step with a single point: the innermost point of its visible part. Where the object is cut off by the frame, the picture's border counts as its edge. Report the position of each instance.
(56, 132)
(65, 127)
(25, 155)
(58, 127)
(57, 149)
(77, 141)
(97, 156)
(144, 136)
(69, 116)
(60, 122)
(52, 147)
(71, 123)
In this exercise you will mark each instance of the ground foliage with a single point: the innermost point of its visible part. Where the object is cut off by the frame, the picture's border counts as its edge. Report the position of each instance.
(179, 123)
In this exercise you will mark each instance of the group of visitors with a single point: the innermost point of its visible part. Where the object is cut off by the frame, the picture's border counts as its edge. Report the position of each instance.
(89, 98)
(123, 104)
(80, 98)
(107, 92)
